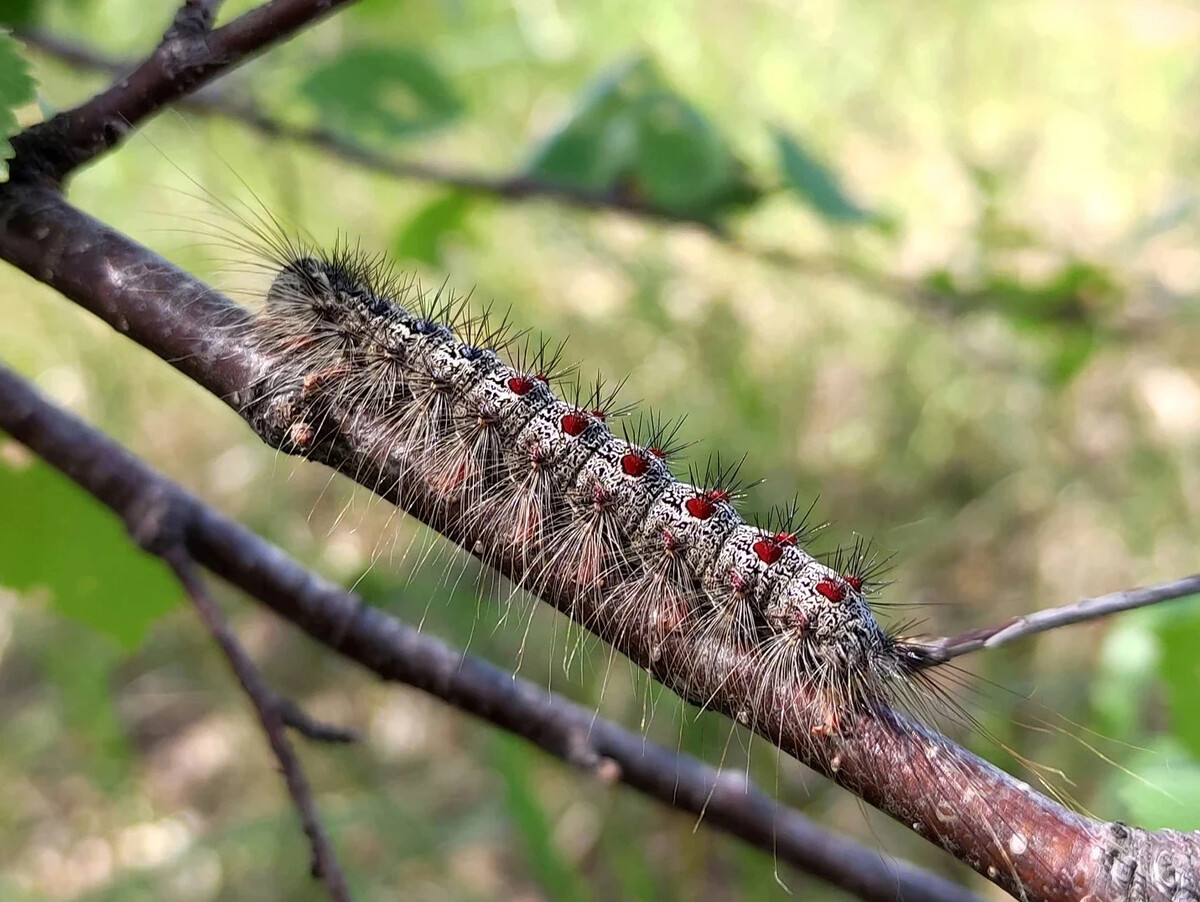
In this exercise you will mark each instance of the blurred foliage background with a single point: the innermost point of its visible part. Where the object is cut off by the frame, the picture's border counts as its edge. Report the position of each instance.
(935, 263)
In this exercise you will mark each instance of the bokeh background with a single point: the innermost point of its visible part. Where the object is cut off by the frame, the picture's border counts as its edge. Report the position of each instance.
(935, 263)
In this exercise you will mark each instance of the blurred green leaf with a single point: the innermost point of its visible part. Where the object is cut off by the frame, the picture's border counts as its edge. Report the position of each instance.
(631, 134)
(1072, 348)
(815, 183)
(682, 160)
(1071, 296)
(16, 89)
(1161, 789)
(82, 668)
(421, 237)
(1179, 668)
(397, 92)
(18, 12)
(55, 535)
(516, 763)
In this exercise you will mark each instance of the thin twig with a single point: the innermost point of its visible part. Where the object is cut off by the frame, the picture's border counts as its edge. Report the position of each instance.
(939, 651)
(309, 727)
(325, 865)
(159, 512)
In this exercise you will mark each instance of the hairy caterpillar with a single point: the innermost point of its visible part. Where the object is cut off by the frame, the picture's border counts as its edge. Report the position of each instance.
(357, 358)
(471, 412)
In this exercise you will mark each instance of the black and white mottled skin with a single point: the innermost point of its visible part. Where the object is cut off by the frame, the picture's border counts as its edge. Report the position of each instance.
(593, 513)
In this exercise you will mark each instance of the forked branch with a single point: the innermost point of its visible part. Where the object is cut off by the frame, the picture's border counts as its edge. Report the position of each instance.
(161, 515)
(1022, 841)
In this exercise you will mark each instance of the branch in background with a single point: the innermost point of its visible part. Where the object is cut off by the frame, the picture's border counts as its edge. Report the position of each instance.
(189, 56)
(325, 865)
(213, 102)
(309, 727)
(158, 512)
(939, 304)
(939, 651)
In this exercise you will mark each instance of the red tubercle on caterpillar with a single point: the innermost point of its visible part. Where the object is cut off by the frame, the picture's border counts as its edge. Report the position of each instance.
(450, 480)
(573, 424)
(658, 452)
(854, 582)
(634, 465)
(701, 507)
(315, 381)
(520, 385)
(833, 590)
(770, 549)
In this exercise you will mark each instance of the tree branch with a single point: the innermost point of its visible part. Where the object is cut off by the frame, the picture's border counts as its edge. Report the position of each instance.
(1019, 839)
(161, 514)
(939, 651)
(325, 865)
(890, 761)
(189, 56)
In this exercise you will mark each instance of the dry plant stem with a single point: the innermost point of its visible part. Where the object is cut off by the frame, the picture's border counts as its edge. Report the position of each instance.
(159, 513)
(942, 650)
(189, 56)
(1000, 827)
(325, 865)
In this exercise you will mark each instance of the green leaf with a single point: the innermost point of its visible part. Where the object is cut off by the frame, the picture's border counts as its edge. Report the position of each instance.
(16, 89)
(814, 183)
(1160, 789)
(632, 135)
(516, 763)
(53, 535)
(598, 143)
(1179, 668)
(82, 668)
(422, 236)
(1072, 348)
(682, 161)
(397, 92)
(17, 12)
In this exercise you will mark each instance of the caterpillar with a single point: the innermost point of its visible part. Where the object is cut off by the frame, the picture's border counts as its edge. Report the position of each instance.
(531, 459)
(482, 432)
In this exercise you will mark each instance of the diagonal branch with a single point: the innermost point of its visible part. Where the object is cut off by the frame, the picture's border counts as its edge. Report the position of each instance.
(888, 760)
(939, 651)
(159, 513)
(325, 865)
(1019, 839)
(189, 56)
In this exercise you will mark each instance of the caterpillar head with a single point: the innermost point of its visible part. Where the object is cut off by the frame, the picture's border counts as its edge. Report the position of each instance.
(322, 286)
